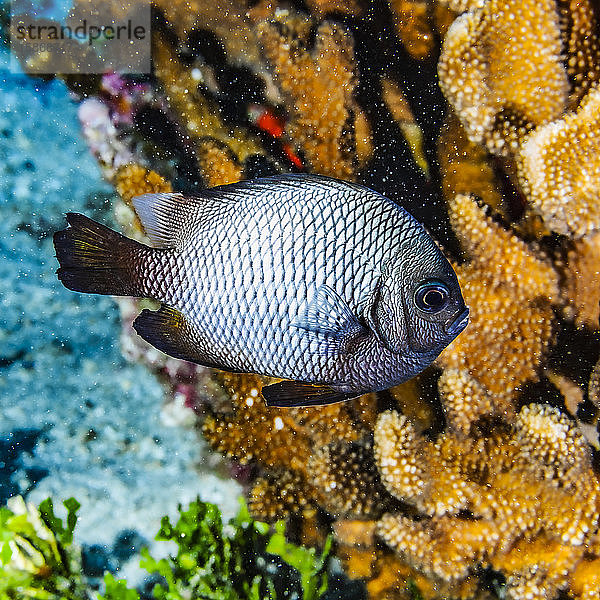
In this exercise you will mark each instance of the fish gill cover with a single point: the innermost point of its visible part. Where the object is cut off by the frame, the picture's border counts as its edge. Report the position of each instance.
(480, 477)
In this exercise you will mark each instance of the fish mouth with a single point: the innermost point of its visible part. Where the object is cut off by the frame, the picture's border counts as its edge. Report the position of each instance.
(455, 326)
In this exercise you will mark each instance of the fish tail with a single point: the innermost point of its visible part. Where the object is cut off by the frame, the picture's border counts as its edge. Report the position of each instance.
(98, 260)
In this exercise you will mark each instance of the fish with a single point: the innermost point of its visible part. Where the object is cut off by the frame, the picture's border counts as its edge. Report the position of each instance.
(327, 285)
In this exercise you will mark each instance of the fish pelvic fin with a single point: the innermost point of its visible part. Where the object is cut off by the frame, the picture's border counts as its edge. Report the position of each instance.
(97, 260)
(294, 394)
(173, 333)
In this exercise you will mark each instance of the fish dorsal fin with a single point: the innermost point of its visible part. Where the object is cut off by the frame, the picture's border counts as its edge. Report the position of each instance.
(163, 216)
(331, 321)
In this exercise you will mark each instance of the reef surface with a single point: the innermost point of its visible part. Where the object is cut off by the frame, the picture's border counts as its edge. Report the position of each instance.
(480, 477)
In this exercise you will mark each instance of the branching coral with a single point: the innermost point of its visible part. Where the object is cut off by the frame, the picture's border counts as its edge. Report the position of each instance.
(243, 432)
(511, 501)
(318, 84)
(509, 287)
(515, 98)
(494, 84)
(559, 169)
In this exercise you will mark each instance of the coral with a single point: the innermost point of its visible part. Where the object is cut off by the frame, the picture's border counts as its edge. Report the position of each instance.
(525, 501)
(528, 104)
(347, 481)
(510, 288)
(494, 85)
(295, 475)
(218, 164)
(580, 40)
(465, 167)
(318, 85)
(581, 272)
(414, 27)
(559, 169)
(133, 180)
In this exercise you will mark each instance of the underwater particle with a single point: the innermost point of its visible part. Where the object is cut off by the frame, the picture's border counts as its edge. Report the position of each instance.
(318, 84)
(511, 288)
(413, 24)
(346, 480)
(498, 88)
(559, 169)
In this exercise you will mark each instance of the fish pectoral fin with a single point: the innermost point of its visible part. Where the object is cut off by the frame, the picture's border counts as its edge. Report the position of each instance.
(293, 394)
(331, 321)
(173, 333)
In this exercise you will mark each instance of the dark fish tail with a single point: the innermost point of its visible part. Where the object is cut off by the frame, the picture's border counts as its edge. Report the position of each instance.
(98, 260)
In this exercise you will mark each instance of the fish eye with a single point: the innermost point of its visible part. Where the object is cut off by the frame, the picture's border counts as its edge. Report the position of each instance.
(432, 297)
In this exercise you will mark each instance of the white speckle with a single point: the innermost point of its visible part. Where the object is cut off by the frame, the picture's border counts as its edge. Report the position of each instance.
(278, 423)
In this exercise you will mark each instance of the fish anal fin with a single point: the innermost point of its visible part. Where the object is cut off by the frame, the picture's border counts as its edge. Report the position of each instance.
(163, 216)
(330, 321)
(292, 394)
(173, 333)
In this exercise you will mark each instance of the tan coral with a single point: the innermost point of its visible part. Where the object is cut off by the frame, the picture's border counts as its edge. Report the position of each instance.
(509, 288)
(346, 480)
(581, 272)
(278, 494)
(466, 401)
(318, 85)
(218, 164)
(413, 23)
(582, 46)
(526, 490)
(559, 168)
(499, 89)
(289, 436)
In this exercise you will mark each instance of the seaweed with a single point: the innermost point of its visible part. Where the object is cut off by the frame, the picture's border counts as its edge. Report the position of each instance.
(241, 560)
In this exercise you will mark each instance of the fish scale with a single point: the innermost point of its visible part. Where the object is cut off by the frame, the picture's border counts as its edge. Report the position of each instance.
(337, 257)
(299, 277)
